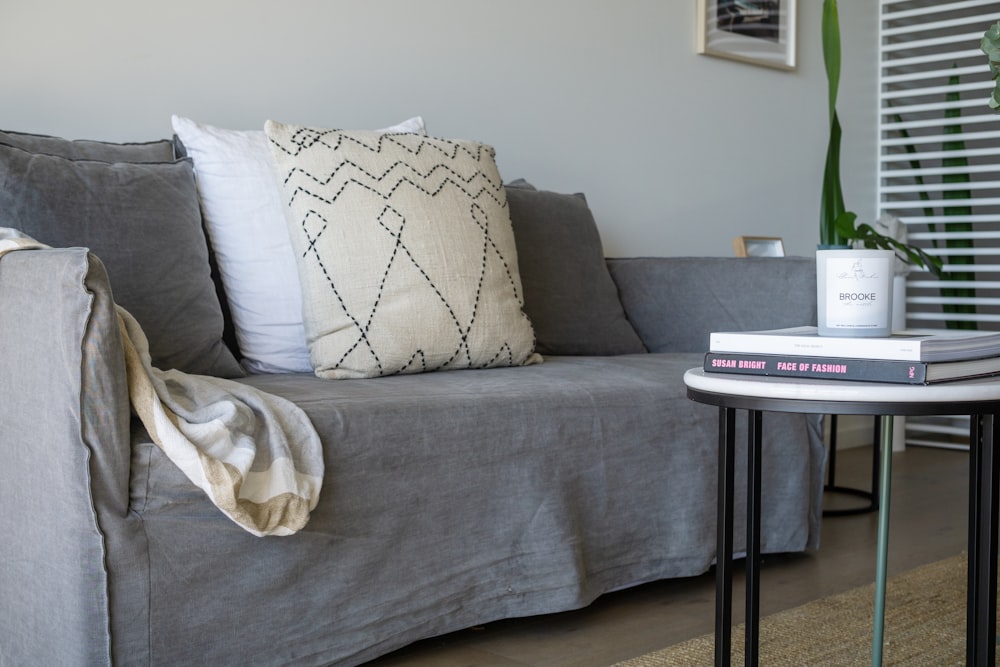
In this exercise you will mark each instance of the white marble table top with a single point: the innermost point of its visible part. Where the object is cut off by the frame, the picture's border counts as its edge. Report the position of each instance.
(757, 386)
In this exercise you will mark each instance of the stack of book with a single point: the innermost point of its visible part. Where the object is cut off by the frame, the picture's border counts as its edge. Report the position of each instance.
(906, 357)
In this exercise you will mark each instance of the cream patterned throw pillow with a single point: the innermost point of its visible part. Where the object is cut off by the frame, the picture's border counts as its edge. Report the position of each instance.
(405, 252)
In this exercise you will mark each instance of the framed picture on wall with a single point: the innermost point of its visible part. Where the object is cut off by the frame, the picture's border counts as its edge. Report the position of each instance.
(760, 33)
(759, 246)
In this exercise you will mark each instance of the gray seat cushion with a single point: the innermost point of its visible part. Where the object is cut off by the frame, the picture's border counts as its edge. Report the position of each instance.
(459, 497)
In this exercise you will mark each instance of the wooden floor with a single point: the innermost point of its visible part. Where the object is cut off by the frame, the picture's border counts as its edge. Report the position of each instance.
(928, 522)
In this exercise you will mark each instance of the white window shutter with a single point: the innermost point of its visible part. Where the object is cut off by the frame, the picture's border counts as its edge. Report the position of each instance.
(939, 167)
(939, 154)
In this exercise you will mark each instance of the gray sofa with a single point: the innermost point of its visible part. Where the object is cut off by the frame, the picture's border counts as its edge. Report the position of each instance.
(450, 499)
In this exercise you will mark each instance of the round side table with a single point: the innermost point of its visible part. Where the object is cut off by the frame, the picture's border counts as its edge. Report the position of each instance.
(757, 394)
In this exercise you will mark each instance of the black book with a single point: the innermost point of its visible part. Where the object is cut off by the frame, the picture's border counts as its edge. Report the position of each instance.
(840, 368)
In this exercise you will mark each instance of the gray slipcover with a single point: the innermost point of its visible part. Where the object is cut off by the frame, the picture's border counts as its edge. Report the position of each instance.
(450, 499)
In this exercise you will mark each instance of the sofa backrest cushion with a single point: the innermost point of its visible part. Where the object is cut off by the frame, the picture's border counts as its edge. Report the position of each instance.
(405, 252)
(142, 220)
(85, 149)
(568, 293)
(676, 302)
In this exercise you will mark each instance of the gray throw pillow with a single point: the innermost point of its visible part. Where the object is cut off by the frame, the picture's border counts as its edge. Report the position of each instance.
(569, 296)
(143, 221)
(85, 149)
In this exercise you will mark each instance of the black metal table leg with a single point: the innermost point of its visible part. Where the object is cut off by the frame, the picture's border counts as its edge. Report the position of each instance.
(831, 473)
(754, 451)
(724, 537)
(984, 480)
(972, 588)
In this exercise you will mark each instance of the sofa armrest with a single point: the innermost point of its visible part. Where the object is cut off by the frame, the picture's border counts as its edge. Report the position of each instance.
(64, 443)
(674, 303)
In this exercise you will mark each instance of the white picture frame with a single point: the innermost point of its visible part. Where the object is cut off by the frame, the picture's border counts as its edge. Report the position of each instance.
(759, 33)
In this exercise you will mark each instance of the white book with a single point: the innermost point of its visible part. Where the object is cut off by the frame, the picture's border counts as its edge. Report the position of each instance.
(908, 345)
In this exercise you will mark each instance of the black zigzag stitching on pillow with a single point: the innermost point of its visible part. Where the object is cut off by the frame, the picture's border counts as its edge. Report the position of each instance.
(454, 179)
(362, 329)
(306, 138)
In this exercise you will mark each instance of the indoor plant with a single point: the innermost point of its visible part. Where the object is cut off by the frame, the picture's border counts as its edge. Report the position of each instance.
(838, 227)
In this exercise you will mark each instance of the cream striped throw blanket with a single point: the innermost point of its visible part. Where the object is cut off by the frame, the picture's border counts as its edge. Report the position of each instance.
(256, 455)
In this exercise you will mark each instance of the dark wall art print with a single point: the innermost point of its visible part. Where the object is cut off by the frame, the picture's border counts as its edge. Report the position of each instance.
(759, 33)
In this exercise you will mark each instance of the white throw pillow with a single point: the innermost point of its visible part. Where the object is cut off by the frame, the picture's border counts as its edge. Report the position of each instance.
(246, 225)
(405, 252)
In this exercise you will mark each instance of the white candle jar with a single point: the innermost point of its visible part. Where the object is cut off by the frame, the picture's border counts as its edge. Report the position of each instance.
(854, 292)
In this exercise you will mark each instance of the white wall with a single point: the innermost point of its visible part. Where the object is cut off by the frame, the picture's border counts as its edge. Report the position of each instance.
(677, 152)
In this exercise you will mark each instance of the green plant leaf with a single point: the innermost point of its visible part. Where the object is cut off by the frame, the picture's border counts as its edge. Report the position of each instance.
(832, 199)
(914, 164)
(959, 177)
(844, 224)
(831, 51)
(958, 146)
(832, 196)
(869, 237)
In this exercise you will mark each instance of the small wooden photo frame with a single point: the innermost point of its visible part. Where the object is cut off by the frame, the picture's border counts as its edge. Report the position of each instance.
(759, 246)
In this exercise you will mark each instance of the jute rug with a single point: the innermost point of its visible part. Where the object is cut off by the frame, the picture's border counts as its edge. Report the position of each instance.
(924, 625)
